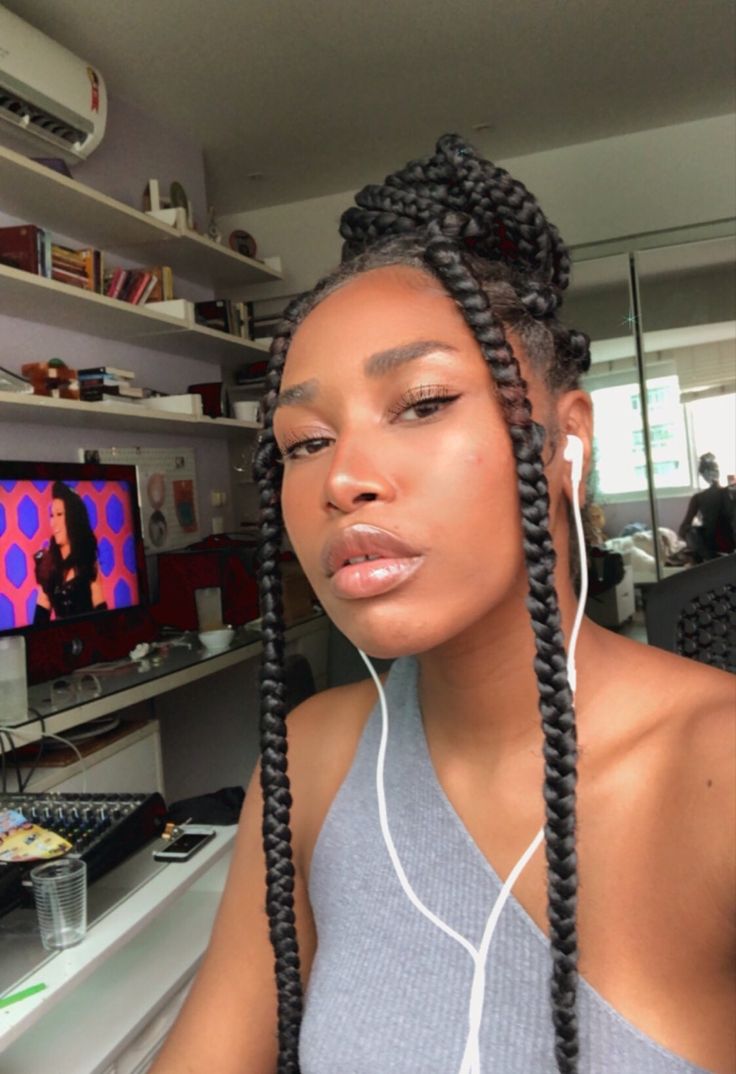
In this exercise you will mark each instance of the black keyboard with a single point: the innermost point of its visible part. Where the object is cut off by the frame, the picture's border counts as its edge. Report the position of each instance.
(104, 829)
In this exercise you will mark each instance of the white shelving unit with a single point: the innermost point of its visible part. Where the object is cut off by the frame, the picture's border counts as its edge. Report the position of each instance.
(39, 195)
(42, 196)
(130, 416)
(35, 298)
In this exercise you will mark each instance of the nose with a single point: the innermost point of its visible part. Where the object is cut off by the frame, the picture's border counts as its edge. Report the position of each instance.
(356, 476)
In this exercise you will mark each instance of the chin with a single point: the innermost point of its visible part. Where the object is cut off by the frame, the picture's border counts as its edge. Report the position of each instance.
(383, 633)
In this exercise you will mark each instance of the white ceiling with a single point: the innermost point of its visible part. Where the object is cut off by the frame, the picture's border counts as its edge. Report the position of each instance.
(326, 95)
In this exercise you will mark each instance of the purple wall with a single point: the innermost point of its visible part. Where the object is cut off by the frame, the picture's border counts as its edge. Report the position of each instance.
(135, 149)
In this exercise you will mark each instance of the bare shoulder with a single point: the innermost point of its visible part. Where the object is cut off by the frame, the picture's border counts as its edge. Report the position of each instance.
(694, 733)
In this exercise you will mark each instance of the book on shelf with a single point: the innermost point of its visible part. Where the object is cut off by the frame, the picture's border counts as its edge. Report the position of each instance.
(23, 246)
(106, 370)
(114, 282)
(148, 291)
(122, 390)
(101, 382)
(163, 290)
(140, 282)
(138, 286)
(212, 313)
(80, 267)
(224, 315)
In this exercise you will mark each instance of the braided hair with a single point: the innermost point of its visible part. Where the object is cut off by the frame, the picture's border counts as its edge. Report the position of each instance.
(482, 234)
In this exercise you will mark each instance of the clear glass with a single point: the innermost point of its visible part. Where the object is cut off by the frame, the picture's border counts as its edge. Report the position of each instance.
(60, 895)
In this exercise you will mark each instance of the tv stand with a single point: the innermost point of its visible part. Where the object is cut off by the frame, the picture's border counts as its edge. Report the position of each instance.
(133, 681)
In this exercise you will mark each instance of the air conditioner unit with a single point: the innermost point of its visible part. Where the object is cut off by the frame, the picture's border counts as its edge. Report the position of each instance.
(51, 103)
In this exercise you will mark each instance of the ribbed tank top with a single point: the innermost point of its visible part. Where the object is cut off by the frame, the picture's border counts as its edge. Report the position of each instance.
(388, 992)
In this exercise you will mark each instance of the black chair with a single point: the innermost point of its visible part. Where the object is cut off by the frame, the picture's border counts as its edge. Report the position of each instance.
(693, 613)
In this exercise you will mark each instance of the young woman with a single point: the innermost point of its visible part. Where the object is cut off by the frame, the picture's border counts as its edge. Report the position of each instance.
(66, 571)
(417, 416)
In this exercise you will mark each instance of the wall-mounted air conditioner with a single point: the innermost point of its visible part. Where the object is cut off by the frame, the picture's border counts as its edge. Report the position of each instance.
(51, 103)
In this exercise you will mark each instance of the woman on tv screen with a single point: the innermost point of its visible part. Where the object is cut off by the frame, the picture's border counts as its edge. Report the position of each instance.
(66, 570)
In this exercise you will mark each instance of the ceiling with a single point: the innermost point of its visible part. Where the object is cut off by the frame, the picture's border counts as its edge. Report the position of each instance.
(291, 99)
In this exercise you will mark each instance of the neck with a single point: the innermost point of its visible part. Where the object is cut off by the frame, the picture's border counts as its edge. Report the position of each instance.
(479, 693)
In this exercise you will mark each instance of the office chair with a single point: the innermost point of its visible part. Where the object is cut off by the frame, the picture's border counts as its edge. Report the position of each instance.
(693, 613)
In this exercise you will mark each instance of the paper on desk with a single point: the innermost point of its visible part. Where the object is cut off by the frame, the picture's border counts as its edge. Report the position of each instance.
(20, 840)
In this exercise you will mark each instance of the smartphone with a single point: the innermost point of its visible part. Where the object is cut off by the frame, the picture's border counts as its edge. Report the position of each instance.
(185, 845)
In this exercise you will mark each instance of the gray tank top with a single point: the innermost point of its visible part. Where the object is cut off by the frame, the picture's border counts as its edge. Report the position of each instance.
(388, 992)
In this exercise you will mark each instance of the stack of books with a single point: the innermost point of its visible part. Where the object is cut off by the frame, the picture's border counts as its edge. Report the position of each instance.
(80, 268)
(31, 249)
(108, 384)
(137, 286)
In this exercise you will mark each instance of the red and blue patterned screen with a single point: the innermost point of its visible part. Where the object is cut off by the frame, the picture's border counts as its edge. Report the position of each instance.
(25, 506)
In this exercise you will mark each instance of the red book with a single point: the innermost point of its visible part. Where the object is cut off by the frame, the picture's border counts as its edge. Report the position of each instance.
(119, 283)
(19, 247)
(138, 288)
(149, 289)
(114, 283)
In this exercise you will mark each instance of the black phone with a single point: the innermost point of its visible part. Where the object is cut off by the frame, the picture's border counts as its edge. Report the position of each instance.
(185, 845)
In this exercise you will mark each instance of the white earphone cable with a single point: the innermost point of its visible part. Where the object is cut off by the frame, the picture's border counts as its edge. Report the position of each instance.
(471, 1061)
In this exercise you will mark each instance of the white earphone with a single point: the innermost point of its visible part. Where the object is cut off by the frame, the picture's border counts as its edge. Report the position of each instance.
(573, 454)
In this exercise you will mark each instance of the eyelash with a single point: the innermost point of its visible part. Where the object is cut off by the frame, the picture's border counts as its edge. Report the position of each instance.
(426, 394)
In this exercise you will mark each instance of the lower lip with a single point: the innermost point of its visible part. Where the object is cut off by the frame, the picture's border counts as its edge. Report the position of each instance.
(373, 577)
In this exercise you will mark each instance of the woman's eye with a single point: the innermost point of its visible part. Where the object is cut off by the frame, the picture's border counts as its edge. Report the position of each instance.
(300, 449)
(424, 404)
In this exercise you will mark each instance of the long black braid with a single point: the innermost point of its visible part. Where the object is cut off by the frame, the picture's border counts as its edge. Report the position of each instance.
(483, 235)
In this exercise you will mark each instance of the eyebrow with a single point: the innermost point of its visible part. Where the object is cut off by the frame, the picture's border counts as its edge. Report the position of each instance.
(376, 365)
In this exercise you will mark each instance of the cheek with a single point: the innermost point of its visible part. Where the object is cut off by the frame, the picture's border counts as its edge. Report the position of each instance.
(301, 513)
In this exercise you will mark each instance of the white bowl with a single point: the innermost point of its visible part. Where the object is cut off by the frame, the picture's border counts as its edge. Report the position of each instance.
(214, 640)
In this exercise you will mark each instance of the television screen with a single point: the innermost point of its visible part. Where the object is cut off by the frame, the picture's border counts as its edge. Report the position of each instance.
(70, 542)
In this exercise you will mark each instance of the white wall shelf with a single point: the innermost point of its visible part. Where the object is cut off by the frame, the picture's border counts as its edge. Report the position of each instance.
(36, 298)
(38, 195)
(134, 417)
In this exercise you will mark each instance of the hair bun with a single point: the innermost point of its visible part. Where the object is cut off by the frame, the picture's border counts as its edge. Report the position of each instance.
(482, 206)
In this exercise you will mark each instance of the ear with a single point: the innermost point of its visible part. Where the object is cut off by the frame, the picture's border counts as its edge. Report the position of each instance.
(575, 417)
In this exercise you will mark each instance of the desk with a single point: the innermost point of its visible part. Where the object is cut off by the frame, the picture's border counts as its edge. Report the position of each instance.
(101, 994)
(137, 681)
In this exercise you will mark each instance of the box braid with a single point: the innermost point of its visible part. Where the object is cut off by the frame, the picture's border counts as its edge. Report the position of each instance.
(483, 235)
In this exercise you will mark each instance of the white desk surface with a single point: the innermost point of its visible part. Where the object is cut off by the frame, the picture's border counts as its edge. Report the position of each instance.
(140, 954)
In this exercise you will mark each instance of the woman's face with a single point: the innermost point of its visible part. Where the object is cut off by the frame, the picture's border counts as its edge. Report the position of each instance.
(397, 458)
(58, 523)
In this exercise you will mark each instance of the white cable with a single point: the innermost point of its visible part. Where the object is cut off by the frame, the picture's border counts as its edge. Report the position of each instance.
(583, 596)
(66, 741)
(383, 817)
(471, 1058)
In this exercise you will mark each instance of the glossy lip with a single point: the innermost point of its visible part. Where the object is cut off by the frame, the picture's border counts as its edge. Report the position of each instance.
(362, 539)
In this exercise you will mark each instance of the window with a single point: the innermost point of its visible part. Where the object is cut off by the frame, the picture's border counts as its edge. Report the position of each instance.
(713, 421)
(619, 437)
